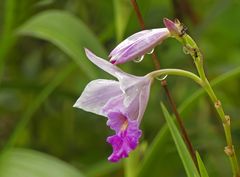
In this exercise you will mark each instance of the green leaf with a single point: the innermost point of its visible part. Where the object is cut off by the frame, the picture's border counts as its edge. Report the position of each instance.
(201, 166)
(122, 9)
(185, 156)
(68, 33)
(30, 163)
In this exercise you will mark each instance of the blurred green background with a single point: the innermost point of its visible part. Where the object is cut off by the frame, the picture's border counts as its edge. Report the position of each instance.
(43, 70)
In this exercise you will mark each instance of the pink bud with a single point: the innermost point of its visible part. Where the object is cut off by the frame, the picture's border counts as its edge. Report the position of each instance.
(175, 28)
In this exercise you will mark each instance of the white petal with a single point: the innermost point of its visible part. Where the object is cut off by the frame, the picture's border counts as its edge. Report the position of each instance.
(96, 94)
(143, 100)
(126, 80)
(129, 41)
(132, 87)
(105, 65)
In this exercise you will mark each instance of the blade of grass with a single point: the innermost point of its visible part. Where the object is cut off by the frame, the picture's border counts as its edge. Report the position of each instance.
(201, 166)
(183, 152)
(66, 32)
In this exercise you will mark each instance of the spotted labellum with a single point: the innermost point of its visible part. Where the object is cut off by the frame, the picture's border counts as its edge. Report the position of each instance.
(123, 102)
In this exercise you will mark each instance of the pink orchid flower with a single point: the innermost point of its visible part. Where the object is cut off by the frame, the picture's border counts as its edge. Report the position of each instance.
(123, 102)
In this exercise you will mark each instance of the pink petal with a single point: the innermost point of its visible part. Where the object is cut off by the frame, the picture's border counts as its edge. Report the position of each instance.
(124, 142)
(137, 45)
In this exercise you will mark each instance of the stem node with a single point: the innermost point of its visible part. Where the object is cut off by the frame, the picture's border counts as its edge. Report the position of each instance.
(227, 120)
(217, 104)
(163, 83)
(229, 150)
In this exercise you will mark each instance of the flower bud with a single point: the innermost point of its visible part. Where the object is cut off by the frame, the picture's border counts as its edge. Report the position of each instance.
(176, 28)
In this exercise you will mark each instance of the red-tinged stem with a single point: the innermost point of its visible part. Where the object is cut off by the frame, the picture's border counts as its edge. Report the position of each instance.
(142, 25)
(138, 13)
(168, 94)
(182, 7)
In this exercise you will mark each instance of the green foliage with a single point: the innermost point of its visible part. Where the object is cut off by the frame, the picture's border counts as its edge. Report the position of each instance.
(217, 81)
(43, 95)
(122, 14)
(30, 163)
(187, 161)
(201, 166)
(132, 163)
(68, 33)
(152, 154)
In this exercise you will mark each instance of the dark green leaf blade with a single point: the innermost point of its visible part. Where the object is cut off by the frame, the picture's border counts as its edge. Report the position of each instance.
(66, 32)
(202, 168)
(30, 163)
(185, 156)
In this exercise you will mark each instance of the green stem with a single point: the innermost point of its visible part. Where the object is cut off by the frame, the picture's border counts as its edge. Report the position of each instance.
(194, 51)
(229, 149)
(177, 72)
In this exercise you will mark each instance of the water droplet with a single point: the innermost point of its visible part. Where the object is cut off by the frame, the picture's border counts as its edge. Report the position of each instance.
(185, 50)
(150, 52)
(139, 59)
(161, 78)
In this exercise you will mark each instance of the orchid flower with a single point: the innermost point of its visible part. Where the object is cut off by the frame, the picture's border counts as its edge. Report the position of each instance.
(123, 102)
(138, 44)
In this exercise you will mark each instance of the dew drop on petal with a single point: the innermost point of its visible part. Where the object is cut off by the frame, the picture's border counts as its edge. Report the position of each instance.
(150, 52)
(139, 59)
(161, 78)
(185, 50)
